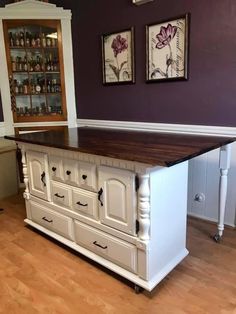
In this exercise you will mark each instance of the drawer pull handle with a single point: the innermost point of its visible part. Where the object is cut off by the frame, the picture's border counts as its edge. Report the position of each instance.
(99, 196)
(81, 204)
(54, 169)
(50, 221)
(68, 172)
(99, 245)
(43, 178)
(60, 196)
(84, 177)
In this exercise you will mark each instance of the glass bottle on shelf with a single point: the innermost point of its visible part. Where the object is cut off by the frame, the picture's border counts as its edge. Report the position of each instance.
(34, 66)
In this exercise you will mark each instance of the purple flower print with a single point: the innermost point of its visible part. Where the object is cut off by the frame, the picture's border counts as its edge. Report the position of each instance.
(165, 36)
(119, 44)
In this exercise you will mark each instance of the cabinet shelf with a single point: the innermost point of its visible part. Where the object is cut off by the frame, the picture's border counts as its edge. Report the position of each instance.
(36, 60)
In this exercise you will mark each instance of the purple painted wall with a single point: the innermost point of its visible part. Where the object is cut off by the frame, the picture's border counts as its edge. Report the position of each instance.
(208, 97)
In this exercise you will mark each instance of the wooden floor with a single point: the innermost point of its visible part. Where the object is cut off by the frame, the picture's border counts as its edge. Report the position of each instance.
(38, 275)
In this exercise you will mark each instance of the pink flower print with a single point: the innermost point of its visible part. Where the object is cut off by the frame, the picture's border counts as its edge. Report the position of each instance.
(118, 45)
(165, 36)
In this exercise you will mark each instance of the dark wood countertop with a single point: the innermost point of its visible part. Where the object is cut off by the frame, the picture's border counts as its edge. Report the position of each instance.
(154, 148)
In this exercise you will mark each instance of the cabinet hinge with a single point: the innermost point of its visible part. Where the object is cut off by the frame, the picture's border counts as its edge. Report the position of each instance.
(136, 183)
(137, 226)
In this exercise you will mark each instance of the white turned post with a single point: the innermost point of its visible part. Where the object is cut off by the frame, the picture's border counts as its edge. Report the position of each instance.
(224, 164)
(25, 173)
(144, 207)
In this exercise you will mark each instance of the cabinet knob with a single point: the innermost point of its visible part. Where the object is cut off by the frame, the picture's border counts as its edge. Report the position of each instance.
(84, 177)
(68, 172)
(54, 169)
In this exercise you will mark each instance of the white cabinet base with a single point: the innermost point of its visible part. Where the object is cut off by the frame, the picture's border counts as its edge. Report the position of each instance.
(147, 285)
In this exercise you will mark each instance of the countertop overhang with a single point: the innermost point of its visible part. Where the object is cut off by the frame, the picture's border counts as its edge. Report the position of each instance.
(154, 148)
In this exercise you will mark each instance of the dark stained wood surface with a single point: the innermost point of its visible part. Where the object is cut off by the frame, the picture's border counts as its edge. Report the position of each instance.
(164, 149)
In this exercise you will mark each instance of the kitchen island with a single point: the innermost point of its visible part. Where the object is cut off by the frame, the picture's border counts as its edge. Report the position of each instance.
(117, 197)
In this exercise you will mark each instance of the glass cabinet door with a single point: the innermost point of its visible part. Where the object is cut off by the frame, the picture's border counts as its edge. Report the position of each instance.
(35, 66)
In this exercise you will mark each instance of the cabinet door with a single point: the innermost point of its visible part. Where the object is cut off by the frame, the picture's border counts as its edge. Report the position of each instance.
(117, 199)
(38, 174)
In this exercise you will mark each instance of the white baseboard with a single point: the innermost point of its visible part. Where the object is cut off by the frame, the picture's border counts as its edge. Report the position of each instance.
(190, 214)
(160, 127)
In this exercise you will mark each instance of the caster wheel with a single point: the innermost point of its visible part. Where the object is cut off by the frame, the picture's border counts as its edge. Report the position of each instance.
(217, 238)
(138, 289)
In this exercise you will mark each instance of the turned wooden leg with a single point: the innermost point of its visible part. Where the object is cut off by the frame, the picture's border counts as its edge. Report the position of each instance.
(224, 164)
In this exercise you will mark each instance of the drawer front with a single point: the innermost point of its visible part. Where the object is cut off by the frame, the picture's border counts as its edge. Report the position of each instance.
(87, 176)
(51, 220)
(61, 195)
(71, 172)
(85, 203)
(118, 251)
(56, 168)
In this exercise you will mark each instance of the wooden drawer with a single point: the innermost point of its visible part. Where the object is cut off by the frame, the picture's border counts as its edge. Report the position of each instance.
(51, 220)
(56, 168)
(61, 195)
(85, 203)
(71, 172)
(87, 176)
(118, 251)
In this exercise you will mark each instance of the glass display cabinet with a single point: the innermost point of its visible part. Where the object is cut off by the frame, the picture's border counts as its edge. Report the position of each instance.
(35, 67)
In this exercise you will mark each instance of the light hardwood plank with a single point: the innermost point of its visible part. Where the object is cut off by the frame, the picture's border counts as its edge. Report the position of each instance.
(39, 275)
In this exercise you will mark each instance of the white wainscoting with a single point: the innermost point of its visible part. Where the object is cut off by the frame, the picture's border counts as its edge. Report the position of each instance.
(204, 171)
(2, 129)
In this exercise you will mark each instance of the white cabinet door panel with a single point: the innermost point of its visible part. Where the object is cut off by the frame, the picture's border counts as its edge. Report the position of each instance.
(38, 174)
(118, 199)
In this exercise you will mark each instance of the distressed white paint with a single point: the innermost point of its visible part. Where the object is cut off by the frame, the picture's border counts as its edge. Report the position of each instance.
(204, 171)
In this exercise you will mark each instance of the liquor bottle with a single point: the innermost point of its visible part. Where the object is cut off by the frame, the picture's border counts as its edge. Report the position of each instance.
(22, 40)
(55, 64)
(38, 87)
(16, 88)
(37, 64)
(48, 42)
(20, 65)
(13, 64)
(17, 42)
(33, 41)
(27, 39)
(25, 64)
(44, 89)
(32, 87)
(21, 90)
(48, 67)
(11, 40)
(37, 41)
(44, 44)
(31, 65)
(49, 86)
(25, 87)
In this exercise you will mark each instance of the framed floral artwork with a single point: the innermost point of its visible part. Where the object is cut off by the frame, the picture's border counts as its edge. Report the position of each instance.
(118, 57)
(167, 50)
